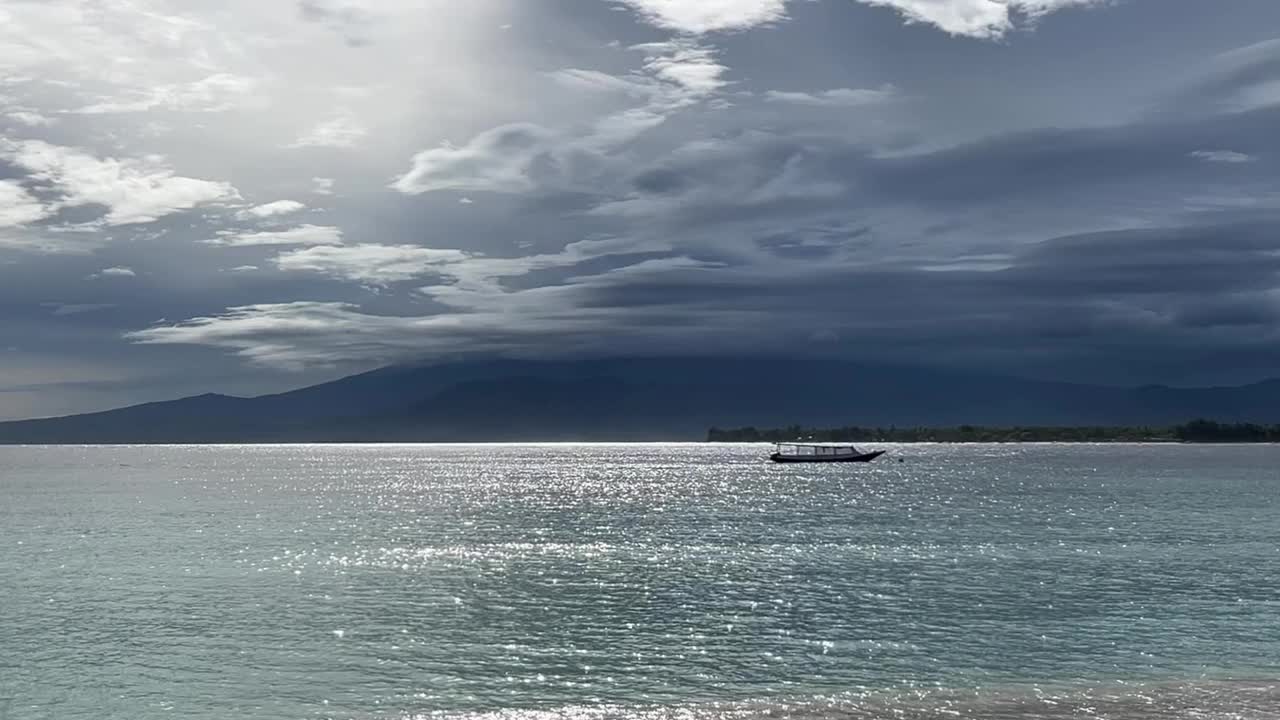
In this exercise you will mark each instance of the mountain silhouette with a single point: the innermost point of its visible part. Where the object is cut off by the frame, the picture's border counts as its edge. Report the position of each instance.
(670, 398)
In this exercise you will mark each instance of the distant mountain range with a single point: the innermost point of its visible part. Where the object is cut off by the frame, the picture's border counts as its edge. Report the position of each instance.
(639, 399)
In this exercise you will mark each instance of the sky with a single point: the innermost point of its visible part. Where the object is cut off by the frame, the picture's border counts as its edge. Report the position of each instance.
(253, 195)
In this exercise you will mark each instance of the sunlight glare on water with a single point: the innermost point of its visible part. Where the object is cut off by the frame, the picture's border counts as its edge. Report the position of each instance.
(653, 581)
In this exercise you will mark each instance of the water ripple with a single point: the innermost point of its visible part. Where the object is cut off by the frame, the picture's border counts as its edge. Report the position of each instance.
(658, 581)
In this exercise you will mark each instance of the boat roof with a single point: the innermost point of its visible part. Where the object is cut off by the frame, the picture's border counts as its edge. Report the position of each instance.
(810, 444)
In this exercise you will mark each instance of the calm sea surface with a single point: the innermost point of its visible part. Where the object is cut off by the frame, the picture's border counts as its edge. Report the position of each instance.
(654, 581)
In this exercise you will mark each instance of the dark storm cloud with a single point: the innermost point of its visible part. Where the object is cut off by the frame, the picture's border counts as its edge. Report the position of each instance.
(1094, 196)
(1141, 161)
(1191, 260)
(1175, 264)
(1102, 298)
(1246, 310)
(1114, 297)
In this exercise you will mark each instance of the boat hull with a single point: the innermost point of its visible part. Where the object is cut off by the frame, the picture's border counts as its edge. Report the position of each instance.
(864, 457)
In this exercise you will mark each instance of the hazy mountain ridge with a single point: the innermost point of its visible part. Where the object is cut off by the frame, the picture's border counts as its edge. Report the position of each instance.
(639, 398)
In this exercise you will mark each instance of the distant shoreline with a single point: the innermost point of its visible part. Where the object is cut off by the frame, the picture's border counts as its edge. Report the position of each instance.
(611, 442)
(1194, 432)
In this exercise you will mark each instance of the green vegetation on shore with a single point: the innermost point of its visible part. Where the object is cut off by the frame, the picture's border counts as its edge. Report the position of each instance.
(1200, 431)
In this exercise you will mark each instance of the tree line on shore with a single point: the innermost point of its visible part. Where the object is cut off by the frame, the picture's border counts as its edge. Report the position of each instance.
(1199, 431)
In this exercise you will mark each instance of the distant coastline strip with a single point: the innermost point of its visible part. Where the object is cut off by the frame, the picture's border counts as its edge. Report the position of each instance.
(1196, 431)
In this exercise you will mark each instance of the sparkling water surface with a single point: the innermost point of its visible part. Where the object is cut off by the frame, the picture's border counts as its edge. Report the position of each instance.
(653, 581)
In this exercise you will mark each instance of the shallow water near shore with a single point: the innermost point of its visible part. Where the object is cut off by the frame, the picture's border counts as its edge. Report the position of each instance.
(654, 581)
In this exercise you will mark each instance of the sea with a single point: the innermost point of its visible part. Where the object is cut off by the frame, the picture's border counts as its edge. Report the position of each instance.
(662, 581)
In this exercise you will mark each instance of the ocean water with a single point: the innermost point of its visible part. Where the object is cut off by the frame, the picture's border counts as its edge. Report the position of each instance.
(649, 581)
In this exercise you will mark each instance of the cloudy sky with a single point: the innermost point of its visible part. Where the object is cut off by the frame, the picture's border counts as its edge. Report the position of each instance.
(253, 195)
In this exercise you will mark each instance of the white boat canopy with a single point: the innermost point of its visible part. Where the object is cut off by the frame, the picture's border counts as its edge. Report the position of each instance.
(816, 449)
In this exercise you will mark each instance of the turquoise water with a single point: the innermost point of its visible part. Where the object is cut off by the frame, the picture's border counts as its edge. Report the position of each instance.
(656, 581)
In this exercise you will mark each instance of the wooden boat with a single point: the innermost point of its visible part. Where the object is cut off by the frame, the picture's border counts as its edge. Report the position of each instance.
(820, 453)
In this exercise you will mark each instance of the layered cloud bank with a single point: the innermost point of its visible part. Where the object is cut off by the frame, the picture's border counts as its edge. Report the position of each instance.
(333, 184)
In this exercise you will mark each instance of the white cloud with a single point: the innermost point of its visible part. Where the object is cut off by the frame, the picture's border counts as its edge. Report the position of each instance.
(322, 186)
(486, 317)
(972, 18)
(373, 264)
(673, 73)
(476, 284)
(28, 117)
(702, 16)
(301, 235)
(685, 64)
(91, 38)
(17, 206)
(41, 244)
(340, 132)
(271, 209)
(324, 332)
(316, 324)
(976, 18)
(216, 93)
(520, 157)
(1222, 156)
(114, 272)
(49, 241)
(142, 68)
(497, 160)
(839, 97)
(134, 191)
